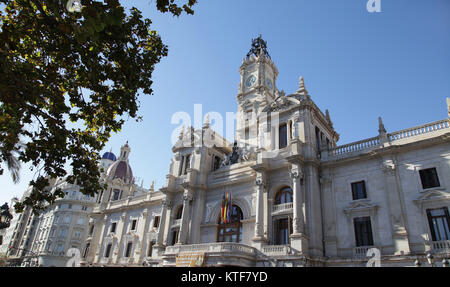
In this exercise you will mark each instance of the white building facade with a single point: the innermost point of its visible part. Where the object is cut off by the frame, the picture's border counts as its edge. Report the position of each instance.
(297, 199)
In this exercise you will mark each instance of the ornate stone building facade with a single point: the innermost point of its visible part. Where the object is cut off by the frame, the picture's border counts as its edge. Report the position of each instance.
(297, 199)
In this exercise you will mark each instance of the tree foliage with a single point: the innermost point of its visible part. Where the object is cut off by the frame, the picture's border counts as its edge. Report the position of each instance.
(68, 81)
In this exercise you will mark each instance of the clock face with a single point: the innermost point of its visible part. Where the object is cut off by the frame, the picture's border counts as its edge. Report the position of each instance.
(269, 83)
(250, 81)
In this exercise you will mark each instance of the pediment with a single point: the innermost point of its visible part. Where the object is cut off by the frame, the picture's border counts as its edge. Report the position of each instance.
(356, 206)
(281, 104)
(432, 195)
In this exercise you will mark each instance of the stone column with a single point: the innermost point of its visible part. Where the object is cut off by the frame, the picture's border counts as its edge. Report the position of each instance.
(159, 246)
(184, 228)
(139, 250)
(259, 238)
(396, 207)
(197, 215)
(298, 236)
(99, 246)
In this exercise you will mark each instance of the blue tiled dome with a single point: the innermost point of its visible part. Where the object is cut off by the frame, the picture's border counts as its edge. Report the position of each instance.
(109, 155)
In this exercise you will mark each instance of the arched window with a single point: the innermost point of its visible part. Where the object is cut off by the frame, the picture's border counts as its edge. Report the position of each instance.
(179, 213)
(283, 196)
(232, 231)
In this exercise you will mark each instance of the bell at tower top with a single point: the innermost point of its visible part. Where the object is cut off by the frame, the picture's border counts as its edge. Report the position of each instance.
(259, 46)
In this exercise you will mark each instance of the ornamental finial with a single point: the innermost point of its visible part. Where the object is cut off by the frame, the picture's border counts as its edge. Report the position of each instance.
(259, 47)
(181, 133)
(301, 87)
(381, 128)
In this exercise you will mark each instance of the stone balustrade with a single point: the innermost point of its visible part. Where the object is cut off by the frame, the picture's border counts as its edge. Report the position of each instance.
(361, 251)
(392, 138)
(419, 130)
(356, 146)
(285, 207)
(218, 247)
(276, 250)
(441, 246)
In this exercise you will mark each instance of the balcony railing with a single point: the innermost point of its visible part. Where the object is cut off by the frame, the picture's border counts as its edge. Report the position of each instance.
(212, 248)
(361, 251)
(366, 144)
(276, 250)
(440, 246)
(356, 146)
(282, 207)
(419, 130)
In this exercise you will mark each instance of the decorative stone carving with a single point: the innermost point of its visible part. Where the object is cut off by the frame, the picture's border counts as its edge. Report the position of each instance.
(296, 174)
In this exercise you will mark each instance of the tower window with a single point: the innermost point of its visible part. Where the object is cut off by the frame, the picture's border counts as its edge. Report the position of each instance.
(282, 136)
(156, 222)
(429, 178)
(188, 164)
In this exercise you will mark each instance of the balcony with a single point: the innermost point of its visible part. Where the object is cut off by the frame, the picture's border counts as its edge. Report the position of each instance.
(216, 254)
(277, 250)
(282, 208)
(440, 246)
(361, 251)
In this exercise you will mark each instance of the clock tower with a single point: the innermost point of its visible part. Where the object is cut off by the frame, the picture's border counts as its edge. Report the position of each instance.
(257, 87)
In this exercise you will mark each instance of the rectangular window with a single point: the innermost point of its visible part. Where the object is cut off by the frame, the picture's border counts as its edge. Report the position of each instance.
(128, 251)
(113, 227)
(363, 231)
(282, 136)
(180, 171)
(174, 237)
(216, 164)
(283, 229)
(116, 194)
(429, 178)
(133, 224)
(156, 222)
(359, 190)
(150, 248)
(188, 163)
(439, 221)
(59, 248)
(108, 250)
(80, 220)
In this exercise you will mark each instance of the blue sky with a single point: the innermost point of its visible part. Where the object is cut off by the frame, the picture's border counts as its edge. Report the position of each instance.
(359, 65)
